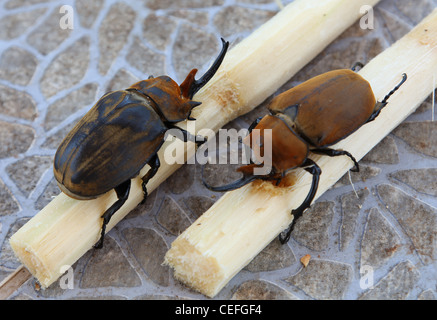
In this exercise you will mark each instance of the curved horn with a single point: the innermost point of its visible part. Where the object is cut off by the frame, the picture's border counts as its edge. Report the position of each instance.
(196, 85)
(246, 179)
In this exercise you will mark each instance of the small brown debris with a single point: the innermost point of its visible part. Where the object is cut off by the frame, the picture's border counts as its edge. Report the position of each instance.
(305, 260)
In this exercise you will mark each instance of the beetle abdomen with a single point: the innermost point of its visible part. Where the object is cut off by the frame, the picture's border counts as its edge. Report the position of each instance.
(109, 145)
(329, 107)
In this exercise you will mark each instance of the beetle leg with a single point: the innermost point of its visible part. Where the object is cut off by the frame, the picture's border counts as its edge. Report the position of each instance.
(251, 127)
(334, 153)
(187, 136)
(297, 213)
(154, 166)
(122, 192)
(246, 179)
(254, 124)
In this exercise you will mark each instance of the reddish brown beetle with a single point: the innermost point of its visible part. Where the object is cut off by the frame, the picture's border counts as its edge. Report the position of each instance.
(122, 133)
(311, 117)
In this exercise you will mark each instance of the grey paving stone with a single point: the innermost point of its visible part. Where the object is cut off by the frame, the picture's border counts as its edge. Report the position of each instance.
(27, 172)
(311, 230)
(171, 217)
(158, 30)
(261, 290)
(108, 267)
(323, 279)
(113, 33)
(273, 257)
(17, 104)
(422, 180)
(420, 136)
(49, 35)
(49, 76)
(380, 241)
(88, 11)
(14, 25)
(146, 60)
(351, 205)
(17, 65)
(67, 69)
(396, 285)
(149, 248)
(234, 19)
(16, 139)
(59, 110)
(417, 219)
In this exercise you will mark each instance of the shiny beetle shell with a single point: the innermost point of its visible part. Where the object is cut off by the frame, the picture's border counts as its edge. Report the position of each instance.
(115, 139)
(122, 133)
(328, 107)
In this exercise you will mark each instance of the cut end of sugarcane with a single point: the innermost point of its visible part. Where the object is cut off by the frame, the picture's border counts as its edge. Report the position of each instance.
(204, 276)
(32, 262)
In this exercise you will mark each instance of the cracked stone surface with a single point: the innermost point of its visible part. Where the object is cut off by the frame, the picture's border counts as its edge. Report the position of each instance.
(261, 290)
(17, 66)
(323, 279)
(67, 69)
(376, 227)
(10, 98)
(380, 241)
(396, 285)
(312, 230)
(48, 35)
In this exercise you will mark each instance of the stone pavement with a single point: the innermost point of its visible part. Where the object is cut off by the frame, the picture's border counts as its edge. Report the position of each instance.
(49, 78)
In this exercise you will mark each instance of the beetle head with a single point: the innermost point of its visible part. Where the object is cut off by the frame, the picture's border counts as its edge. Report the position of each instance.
(173, 102)
(169, 100)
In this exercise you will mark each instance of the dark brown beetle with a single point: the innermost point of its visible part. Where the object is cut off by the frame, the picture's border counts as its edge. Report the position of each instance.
(311, 117)
(122, 133)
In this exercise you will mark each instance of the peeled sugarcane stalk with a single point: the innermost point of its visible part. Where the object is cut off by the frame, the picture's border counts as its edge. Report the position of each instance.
(243, 222)
(66, 228)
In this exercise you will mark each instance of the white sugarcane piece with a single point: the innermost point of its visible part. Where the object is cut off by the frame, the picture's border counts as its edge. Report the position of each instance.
(66, 228)
(242, 222)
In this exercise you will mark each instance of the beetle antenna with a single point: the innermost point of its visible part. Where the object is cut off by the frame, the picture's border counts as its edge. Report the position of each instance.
(404, 78)
(196, 85)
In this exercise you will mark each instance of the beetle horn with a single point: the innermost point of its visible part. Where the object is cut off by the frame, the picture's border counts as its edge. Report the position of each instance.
(246, 179)
(188, 82)
(190, 86)
(194, 104)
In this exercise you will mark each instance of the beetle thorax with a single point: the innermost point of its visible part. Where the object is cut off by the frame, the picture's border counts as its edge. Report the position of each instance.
(287, 120)
(166, 95)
